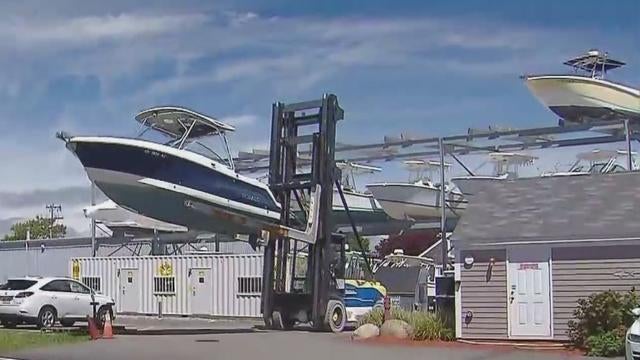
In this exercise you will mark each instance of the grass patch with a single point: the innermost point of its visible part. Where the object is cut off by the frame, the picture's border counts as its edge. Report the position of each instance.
(12, 340)
(426, 325)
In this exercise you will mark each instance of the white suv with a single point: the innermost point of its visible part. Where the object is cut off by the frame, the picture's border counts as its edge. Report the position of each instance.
(43, 301)
(633, 338)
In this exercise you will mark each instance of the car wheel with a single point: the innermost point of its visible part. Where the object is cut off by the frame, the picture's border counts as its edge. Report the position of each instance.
(67, 323)
(9, 324)
(102, 316)
(47, 317)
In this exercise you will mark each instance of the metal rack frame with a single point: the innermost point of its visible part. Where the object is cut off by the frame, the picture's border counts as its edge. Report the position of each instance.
(508, 140)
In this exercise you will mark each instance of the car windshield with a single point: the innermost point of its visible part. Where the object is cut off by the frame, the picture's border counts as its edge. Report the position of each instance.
(17, 285)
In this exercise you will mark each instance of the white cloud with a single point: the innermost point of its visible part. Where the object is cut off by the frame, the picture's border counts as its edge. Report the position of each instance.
(240, 120)
(89, 29)
(238, 53)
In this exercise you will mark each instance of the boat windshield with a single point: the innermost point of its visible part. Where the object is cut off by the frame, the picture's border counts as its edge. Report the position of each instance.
(598, 168)
(187, 130)
(209, 147)
(191, 136)
(213, 147)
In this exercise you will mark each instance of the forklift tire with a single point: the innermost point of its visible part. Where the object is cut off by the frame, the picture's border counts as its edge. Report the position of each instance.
(336, 316)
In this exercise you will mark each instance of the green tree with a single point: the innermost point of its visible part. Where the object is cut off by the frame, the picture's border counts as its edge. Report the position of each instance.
(354, 245)
(38, 228)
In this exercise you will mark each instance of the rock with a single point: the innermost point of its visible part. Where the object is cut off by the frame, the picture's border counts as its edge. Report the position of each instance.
(366, 331)
(396, 328)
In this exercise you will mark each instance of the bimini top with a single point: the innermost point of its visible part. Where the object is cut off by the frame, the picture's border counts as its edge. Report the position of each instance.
(176, 121)
(512, 158)
(594, 60)
(357, 168)
(602, 155)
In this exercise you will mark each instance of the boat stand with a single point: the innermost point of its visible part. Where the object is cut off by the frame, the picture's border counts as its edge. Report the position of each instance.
(303, 275)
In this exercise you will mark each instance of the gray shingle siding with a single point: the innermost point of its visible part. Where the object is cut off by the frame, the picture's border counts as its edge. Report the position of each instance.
(578, 272)
(483, 293)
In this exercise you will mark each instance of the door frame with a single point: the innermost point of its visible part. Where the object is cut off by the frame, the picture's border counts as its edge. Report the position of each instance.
(509, 249)
(191, 272)
(119, 302)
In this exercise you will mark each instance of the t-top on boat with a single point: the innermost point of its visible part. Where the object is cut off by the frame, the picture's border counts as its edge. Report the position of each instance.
(183, 181)
(506, 166)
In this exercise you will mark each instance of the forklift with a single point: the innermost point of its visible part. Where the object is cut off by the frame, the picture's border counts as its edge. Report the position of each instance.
(302, 165)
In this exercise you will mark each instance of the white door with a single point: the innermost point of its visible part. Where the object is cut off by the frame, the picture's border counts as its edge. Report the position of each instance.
(129, 290)
(201, 291)
(529, 295)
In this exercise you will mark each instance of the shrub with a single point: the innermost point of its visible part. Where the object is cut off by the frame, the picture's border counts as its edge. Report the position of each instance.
(430, 326)
(609, 343)
(374, 317)
(426, 326)
(601, 317)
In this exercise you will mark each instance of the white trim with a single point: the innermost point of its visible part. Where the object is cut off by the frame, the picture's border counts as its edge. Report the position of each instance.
(457, 277)
(218, 200)
(560, 242)
(551, 292)
(508, 292)
(183, 154)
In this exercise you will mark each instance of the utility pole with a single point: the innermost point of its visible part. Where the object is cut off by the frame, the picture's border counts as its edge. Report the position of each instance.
(54, 215)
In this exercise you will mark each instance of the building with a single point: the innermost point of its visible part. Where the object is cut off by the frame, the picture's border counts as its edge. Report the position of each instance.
(214, 285)
(50, 257)
(527, 250)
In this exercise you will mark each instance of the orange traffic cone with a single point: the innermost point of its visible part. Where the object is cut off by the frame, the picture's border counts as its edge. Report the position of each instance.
(107, 333)
(94, 333)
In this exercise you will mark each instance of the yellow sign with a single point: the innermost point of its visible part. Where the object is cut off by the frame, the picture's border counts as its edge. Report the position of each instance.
(165, 269)
(75, 269)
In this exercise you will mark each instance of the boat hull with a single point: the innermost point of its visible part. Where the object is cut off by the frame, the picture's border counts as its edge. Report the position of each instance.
(121, 220)
(166, 187)
(471, 185)
(581, 99)
(415, 202)
(367, 214)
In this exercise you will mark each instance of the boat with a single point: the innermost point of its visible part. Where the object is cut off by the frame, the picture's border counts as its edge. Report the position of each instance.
(365, 211)
(586, 95)
(597, 161)
(506, 165)
(188, 180)
(122, 222)
(419, 199)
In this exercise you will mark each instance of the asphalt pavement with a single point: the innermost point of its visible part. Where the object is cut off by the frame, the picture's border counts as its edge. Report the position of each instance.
(265, 345)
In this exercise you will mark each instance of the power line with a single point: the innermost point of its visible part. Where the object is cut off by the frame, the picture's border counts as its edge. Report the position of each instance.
(55, 214)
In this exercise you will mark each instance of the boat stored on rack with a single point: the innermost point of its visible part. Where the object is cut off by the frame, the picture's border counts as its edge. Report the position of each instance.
(182, 181)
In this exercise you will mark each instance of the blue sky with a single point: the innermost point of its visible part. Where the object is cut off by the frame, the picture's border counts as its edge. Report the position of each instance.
(421, 67)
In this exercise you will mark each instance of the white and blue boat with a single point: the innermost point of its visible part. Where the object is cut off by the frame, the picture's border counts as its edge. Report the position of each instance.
(185, 180)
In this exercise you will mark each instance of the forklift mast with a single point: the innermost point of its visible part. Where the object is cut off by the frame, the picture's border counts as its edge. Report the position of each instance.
(317, 296)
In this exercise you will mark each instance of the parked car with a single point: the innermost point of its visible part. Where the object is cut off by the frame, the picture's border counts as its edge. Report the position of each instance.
(43, 301)
(632, 345)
